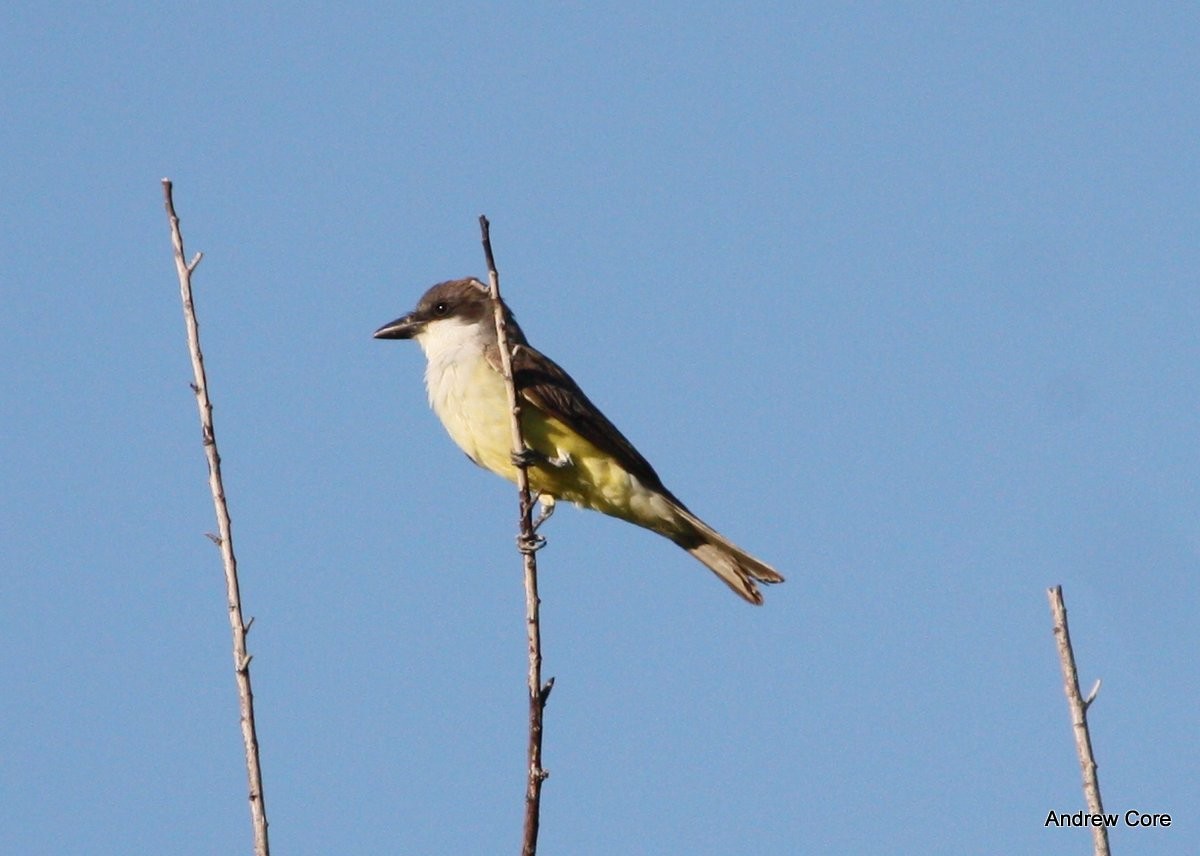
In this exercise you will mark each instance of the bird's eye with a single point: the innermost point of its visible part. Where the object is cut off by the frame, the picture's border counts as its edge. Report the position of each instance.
(440, 309)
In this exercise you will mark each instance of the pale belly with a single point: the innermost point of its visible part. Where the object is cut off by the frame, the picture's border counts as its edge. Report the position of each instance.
(473, 406)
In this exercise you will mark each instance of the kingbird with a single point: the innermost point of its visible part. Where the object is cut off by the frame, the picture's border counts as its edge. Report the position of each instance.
(575, 452)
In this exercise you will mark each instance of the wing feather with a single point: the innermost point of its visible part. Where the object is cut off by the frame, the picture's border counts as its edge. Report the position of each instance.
(543, 384)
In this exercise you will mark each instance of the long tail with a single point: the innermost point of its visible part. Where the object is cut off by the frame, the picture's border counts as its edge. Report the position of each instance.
(736, 568)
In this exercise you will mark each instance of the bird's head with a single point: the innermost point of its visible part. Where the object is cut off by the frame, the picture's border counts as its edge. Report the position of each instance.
(457, 303)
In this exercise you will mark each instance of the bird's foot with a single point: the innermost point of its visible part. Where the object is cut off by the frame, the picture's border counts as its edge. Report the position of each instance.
(531, 544)
(545, 511)
(532, 457)
(527, 457)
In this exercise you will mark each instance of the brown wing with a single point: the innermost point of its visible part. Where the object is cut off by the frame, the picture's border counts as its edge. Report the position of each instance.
(544, 385)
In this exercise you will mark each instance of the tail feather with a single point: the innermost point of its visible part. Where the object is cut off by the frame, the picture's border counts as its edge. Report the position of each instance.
(736, 568)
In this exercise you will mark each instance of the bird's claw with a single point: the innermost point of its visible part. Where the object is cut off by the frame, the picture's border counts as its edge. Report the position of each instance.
(527, 457)
(531, 544)
(545, 511)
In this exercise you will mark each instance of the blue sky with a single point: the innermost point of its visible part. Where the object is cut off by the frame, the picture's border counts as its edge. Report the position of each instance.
(900, 297)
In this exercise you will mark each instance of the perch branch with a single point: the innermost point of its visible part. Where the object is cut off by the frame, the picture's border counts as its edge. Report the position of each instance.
(528, 543)
(1079, 708)
(224, 538)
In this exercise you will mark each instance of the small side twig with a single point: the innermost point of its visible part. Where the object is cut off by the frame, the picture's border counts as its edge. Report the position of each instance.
(224, 537)
(1078, 706)
(528, 541)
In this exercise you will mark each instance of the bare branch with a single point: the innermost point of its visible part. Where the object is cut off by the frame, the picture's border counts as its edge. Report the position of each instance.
(528, 543)
(1078, 708)
(224, 540)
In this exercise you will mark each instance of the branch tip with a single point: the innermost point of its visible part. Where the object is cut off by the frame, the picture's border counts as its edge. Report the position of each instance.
(224, 540)
(1078, 706)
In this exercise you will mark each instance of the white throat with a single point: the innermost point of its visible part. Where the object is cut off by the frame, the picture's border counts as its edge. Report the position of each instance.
(449, 338)
(466, 393)
(454, 351)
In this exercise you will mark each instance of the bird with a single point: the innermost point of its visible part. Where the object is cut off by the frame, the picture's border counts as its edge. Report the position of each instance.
(574, 452)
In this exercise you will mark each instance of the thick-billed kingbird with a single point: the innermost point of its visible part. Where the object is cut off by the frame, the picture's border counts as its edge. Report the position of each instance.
(576, 453)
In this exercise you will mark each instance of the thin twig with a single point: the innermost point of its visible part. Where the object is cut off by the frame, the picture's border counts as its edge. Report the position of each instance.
(1079, 708)
(528, 543)
(224, 538)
